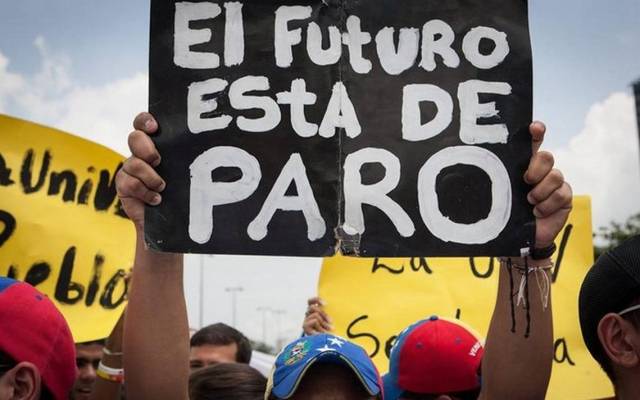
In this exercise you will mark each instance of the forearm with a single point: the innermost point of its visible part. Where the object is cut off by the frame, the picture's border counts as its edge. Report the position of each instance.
(104, 389)
(156, 338)
(515, 366)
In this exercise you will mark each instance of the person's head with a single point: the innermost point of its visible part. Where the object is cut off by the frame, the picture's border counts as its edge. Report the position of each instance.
(88, 356)
(228, 381)
(324, 367)
(37, 355)
(218, 343)
(609, 320)
(435, 359)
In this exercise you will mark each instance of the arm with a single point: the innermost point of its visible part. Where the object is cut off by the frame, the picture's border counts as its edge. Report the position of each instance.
(515, 366)
(105, 389)
(156, 337)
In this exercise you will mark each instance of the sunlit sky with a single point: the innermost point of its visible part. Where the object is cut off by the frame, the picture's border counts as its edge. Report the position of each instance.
(81, 65)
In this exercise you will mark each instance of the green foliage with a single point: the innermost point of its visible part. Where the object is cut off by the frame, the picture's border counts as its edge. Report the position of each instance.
(616, 233)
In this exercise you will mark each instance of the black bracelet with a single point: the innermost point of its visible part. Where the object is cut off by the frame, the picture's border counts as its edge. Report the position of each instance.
(543, 253)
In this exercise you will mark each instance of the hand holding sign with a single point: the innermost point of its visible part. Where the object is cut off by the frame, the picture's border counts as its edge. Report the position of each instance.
(551, 195)
(137, 182)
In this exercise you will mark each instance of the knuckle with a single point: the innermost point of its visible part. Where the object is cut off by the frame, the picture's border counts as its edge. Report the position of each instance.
(556, 176)
(137, 143)
(545, 157)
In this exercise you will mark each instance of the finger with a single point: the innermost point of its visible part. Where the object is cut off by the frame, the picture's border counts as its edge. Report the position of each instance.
(129, 187)
(139, 169)
(540, 165)
(318, 326)
(315, 300)
(324, 316)
(146, 123)
(549, 184)
(559, 200)
(537, 130)
(142, 147)
(311, 326)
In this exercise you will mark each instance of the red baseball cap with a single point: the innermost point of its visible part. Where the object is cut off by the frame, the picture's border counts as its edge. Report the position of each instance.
(434, 356)
(33, 330)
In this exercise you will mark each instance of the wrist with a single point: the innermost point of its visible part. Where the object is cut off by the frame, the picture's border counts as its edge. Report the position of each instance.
(543, 252)
(110, 374)
(530, 262)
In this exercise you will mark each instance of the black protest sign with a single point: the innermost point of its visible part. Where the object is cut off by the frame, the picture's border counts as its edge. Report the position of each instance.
(384, 128)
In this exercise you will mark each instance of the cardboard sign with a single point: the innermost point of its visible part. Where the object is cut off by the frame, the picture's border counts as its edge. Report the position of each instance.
(61, 226)
(377, 127)
(399, 292)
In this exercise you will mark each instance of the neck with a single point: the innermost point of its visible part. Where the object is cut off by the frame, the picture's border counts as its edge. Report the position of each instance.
(628, 387)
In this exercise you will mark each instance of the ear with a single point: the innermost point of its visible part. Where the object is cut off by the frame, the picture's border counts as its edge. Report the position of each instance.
(615, 336)
(25, 381)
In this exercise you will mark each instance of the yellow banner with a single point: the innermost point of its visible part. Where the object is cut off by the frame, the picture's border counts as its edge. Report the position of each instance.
(61, 225)
(372, 300)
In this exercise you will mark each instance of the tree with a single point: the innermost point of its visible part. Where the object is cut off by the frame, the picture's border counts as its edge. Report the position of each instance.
(616, 233)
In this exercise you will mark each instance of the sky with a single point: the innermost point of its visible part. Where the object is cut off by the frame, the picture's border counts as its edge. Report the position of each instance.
(81, 66)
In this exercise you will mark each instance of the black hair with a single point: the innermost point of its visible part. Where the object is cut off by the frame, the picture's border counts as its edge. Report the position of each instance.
(101, 342)
(465, 395)
(227, 381)
(222, 334)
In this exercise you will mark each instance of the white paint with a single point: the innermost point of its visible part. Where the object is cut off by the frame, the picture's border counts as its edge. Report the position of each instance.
(340, 114)
(442, 45)
(206, 194)
(471, 110)
(471, 47)
(317, 54)
(298, 98)
(284, 39)
(412, 127)
(356, 194)
(241, 101)
(355, 38)
(293, 172)
(196, 106)
(393, 61)
(478, 232)
(185, 37)
(233, 34)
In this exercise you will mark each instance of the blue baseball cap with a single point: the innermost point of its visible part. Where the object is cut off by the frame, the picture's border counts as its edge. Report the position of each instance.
(298, 356)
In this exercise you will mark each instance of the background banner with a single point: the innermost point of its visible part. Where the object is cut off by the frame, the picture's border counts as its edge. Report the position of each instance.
(61, 225)
(372, 300)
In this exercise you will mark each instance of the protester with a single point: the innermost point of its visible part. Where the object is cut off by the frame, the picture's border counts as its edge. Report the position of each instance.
(227, 381)
(158, 286)
(88, 356)
(437, 357)
(37, 354)
(609, 308)
(218, 343)
(324, 367)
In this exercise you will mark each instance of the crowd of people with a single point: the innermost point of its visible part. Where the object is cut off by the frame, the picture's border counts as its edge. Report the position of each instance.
(150, 354)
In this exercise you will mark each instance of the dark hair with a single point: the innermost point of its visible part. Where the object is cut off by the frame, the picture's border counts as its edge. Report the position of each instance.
(227, 381)
(221, 334)
(466, 395)
(7, 363)
(101, 342)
